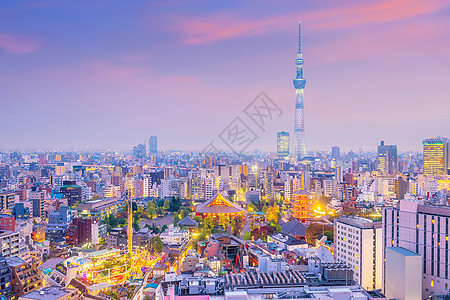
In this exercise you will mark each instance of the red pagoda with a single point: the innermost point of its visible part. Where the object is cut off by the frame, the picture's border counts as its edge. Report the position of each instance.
(302, 209)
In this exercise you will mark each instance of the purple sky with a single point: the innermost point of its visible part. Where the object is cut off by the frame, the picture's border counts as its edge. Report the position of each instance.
(108, 74)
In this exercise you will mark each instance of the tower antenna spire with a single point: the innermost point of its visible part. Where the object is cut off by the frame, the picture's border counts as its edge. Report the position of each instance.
(300, 36)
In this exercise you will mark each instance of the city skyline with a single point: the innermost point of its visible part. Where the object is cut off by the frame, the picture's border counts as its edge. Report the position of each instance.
(109, 76)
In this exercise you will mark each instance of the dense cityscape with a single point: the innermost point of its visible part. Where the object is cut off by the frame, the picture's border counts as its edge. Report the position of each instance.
(229, 221)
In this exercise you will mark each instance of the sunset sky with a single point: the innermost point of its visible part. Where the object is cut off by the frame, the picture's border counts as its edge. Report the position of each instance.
(109, 74)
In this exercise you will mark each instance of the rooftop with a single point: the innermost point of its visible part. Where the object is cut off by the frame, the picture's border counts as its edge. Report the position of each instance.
(287, 239)
(48, 293)
(15, 261)
(402, 251)
(294, 227)
(359, 222)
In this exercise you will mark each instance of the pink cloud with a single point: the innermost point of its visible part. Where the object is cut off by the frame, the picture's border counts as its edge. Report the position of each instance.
(17, 44)
(222, 26)
(119, 74)
(386, 44)
(387, 11)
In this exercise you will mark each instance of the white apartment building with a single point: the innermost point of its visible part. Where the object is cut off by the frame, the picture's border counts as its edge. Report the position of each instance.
(174, 236)
(329, 187)
(147, 186)
(359, 244)
(423, 229)
(9, 243)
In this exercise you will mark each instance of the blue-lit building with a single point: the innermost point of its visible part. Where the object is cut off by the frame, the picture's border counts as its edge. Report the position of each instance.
(6, 290)
(57, 223)
(20, 212)
(283, 143)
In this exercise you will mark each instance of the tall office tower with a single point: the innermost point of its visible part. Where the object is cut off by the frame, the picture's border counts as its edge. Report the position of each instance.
(423, 229)
(435, 151)
(335, 152)
(153, 145)
(71, 191)
(7, 202)
(359, 244)
(197, 183)
(283, 143)
(387, 159)
(299, 121)
(139, 151)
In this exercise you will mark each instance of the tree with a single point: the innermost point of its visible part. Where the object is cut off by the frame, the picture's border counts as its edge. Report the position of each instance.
(151, 211)
(136, 226)
(278, 228)
(251, 207)
(264, 209)
(247, 236)
(96, 197)
(112, 221)
(324, 200)
(158, 244)
(209, 223)
(202, 236)
(163, 228)
(314, 230)
(184, 212)
(224, 221)
(166, 205)
(174, 204)
(273, 214)
(329, 234)
(262, 232)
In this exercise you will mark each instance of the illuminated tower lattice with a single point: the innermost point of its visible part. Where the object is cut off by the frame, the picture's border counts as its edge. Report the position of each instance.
(299, 122)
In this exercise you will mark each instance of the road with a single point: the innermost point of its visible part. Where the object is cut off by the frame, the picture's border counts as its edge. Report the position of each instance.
(245, 227)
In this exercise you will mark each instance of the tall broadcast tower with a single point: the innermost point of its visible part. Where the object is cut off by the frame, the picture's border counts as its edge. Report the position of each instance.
(130, 221)
(299, 84)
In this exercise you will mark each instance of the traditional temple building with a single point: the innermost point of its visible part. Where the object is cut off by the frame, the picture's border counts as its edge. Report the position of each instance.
(218, 205)
(302, 208)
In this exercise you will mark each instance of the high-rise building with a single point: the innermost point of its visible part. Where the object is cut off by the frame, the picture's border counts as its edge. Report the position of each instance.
(6, 290)
(283, 143)
(435, 156)
(335, 152)
(403, 274)
(139, 151)
(387, 159)
(72, 192)
(359, 244)
(7, 222)
(25, 277)
(422, 229)
(7, 202)
(37, 197)
(299, 121)
(153, 145)
(9, 245)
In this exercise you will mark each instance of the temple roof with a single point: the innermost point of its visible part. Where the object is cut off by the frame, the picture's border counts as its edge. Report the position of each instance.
(189, 222)
(218, 204)
(302, 193)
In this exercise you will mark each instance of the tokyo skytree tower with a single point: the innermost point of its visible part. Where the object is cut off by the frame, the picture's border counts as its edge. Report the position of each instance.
(299, 121)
